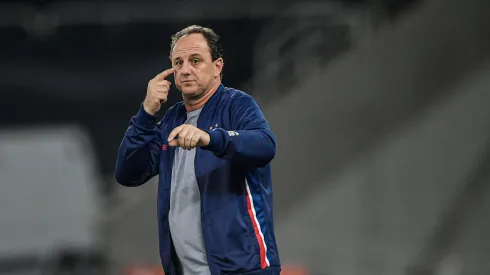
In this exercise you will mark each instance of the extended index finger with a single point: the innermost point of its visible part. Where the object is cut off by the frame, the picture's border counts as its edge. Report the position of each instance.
(164, 74)
(174, 133)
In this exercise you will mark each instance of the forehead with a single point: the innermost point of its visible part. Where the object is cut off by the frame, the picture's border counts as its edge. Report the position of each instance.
(194, 43)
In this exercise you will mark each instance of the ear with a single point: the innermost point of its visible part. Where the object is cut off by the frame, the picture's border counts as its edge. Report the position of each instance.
(219, 63)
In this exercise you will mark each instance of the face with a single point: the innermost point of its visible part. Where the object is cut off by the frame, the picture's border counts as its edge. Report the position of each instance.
(195, 71)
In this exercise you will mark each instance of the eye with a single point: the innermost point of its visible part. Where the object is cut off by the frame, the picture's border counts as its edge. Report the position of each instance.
(195, 60)
(178, 62)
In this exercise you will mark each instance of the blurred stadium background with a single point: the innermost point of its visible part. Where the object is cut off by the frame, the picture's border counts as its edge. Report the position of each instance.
(381, 108)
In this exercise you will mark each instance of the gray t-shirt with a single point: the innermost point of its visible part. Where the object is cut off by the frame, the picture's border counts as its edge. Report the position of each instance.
(185, 210)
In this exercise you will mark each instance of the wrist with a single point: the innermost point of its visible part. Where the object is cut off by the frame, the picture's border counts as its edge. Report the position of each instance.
(216, 141)
(148, 109)
(145, 119)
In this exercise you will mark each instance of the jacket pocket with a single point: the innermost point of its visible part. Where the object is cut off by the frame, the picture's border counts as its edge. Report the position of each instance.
(230, 242)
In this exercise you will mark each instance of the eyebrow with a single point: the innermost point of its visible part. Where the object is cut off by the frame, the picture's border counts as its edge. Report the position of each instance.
(190, 56)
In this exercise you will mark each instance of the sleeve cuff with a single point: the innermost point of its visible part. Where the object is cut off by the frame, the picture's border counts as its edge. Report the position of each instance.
(217, 141)
(145, 119)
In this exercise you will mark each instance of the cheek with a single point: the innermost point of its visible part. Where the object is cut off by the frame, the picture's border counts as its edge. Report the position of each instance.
(210, 71)
(177, 76)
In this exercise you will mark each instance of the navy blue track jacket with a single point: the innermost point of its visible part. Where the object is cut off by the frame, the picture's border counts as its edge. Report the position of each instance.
(233, 174)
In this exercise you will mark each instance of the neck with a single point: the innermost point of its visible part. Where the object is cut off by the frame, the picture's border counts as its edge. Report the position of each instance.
(194, 104)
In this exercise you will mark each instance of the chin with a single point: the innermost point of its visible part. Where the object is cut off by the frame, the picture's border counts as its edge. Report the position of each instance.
(191, 94)
(190, 91)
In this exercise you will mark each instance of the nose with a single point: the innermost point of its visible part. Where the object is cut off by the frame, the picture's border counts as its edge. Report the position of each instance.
(185, 68)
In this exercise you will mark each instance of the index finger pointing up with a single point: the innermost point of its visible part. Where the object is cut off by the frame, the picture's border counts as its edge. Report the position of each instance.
(165, 74)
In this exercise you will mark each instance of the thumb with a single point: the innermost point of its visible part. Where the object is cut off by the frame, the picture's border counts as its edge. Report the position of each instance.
(174, 143)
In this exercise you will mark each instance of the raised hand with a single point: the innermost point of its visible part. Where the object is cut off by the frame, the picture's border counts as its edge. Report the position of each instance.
(157, 92)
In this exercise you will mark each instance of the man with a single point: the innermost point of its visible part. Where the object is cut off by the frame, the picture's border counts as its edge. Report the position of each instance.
(212, 153)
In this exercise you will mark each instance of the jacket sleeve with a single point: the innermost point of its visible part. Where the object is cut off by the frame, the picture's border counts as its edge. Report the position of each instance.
(251, 142)
(139, 153)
